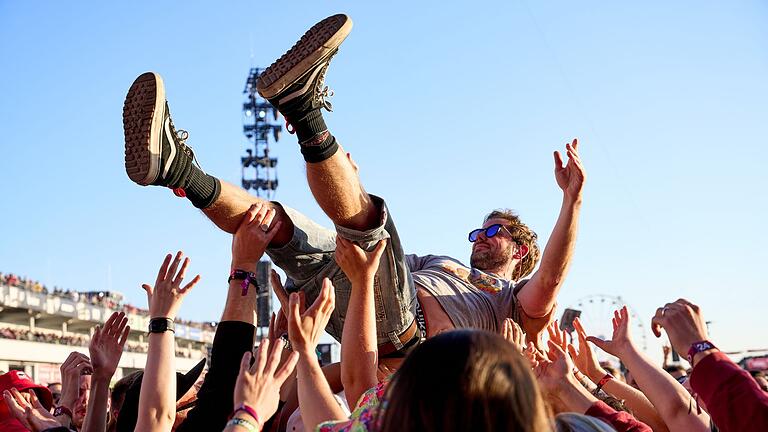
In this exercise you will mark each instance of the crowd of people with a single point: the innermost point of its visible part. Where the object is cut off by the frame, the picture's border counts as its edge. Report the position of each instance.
(427, 343)
(107, 299)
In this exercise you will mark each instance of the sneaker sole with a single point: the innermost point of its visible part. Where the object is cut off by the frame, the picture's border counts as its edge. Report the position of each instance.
(142, 124)
(318, 42)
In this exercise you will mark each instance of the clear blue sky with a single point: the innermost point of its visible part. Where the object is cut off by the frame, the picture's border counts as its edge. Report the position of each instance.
(451, 110)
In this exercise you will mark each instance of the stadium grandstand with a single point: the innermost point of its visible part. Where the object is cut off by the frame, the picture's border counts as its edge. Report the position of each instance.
(39, 327)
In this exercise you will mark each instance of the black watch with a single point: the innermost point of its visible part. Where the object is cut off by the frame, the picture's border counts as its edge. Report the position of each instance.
(161, 325)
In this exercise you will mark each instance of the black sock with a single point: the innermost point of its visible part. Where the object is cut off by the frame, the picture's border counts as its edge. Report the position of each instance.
(317, 144)
(202, 189)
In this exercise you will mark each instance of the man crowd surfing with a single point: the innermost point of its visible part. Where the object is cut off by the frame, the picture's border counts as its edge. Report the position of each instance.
(427, 343)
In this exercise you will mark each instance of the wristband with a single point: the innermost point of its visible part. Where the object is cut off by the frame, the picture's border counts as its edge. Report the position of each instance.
(698, 347)
(603, 381)
(245, 276)
(62, 410)
(250, 427)
(248, 410)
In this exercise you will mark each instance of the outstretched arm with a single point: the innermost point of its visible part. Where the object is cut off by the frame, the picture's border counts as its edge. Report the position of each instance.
(359, 353)
(669, 397)
(538, 296)
(587, 364)
(157, 400)
(106, 348)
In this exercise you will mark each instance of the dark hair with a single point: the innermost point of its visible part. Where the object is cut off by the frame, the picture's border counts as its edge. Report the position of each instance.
(674, 368)
(521, 234)
(464, 380)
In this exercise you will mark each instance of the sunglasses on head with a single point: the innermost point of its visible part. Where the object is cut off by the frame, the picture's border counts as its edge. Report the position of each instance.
(489, 232)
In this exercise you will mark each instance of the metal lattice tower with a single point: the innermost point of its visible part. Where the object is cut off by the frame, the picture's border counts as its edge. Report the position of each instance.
(258, 128)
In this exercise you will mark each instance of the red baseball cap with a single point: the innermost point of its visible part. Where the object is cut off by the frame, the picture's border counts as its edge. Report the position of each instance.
(21, 382)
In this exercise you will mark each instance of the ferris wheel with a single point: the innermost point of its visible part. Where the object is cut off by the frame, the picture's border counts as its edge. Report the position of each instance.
(597, 312)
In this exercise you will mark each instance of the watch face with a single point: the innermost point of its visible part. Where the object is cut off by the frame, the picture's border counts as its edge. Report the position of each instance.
(158, 326)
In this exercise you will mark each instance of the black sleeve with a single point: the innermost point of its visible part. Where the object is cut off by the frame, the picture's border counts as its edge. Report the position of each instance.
(214, 400)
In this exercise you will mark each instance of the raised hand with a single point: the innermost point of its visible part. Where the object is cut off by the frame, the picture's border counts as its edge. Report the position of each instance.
(31, 413)
(684, 323)
(166, 296)
(584, 358)
(557, 336)
(305, 327)
(280, 292)
(621, 342)
(570, 177)
(74, 366)
(253, 235)
(552, 372)
(107, 344)
(258, 385)
(359, 266)
(513, 334)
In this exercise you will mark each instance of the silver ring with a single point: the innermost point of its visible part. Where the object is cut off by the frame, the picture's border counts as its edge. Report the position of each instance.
(265, 227)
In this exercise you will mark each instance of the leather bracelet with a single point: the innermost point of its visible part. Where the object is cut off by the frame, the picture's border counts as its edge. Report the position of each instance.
(250, 427)
(248, 410)
(603, 381)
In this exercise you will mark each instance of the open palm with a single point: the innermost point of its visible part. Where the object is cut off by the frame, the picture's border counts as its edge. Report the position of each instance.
(107, 344)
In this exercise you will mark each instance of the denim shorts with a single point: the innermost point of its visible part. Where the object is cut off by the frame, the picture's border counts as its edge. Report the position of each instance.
(309, 258)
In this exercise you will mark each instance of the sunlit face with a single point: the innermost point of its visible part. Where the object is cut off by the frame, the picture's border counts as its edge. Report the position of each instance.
(81, 406)
(492, 254)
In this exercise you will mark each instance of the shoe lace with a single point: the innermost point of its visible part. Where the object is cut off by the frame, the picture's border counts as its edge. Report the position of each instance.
(182, 136)
(322, 91)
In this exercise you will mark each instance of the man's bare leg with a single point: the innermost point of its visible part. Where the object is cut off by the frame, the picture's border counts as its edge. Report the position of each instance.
(228, 210)
(336, 187)
(157, 154)
(294, 84)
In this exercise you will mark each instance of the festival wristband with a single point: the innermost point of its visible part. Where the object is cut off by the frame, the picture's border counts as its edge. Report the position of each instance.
(698, 347)
(248, 410)
(245, 276)
(603, 381)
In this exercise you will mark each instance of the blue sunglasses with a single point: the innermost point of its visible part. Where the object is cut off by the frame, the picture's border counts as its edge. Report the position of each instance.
(489, 232)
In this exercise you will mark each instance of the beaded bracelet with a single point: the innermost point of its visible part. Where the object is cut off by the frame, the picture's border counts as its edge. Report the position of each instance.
(244, 423)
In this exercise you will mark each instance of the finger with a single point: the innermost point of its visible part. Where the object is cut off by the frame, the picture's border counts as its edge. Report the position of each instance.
(260, 214)
(271, 329)
(506, 330)
(179, 277)
(261, 357)
(287, 368)
(120, 328)
(96, 337)
(249, 215)
(174, 265)
(266, 222)
(110, 321)
(379, 250)
(579, 328)
(148, 289)
(280, 293)
(572, 351)
(161, 275)
(302, 302)
(575, 144)
(189, 286)
(597, 342)
(329, 300)
(36, 401)
(558, 161)
(245, 362)
(294, 315)
(273, 359)
(124, 337)
(656, 324)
